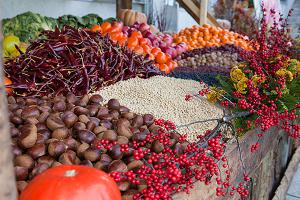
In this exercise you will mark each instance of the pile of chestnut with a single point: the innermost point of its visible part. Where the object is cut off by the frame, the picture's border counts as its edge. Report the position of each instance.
(48, 132)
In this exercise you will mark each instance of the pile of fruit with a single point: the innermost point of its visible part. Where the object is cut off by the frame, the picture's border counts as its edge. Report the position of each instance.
(139, 38)
(207, 36)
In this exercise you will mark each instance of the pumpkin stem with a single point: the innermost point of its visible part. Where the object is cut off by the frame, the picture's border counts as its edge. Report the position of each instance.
(70, 173)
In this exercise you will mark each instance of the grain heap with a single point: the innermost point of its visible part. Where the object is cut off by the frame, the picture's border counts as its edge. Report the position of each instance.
(163, 97)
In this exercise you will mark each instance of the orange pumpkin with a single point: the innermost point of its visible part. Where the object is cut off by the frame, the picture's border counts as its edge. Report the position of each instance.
(72, 182)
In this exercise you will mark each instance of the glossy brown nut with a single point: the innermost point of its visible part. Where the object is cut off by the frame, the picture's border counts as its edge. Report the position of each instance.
(95, 120)
(96, 99)
(71, 98)
(56, 148)
(129, 115)
(137, 121)
(11, 100)
(128, 195)
(86, 136)
(39, 168)
(124, 109)
(37, 150)
(113, 104)
(41, 126)
(28, 136)
(45, 108)
(71, 143)
(55, 164)
(135, 164)
(78, 110)
(93, 110)
(45, 133)
(46, 159)
(31, 120)
(91, 154)
(31, 111)
(86, 163)
(54, 122)
(154, 128)
(102, 111)
(14, 132)
(83, 118)
(82, 148)
(148, 119)
(110, 135)
(21, 173)
(178, 149)
(115, 114)
(122, 140)
(157, 146)
(107, 124)
(117, 166)
(123, 185)
(79, 126)
(16, 150)
(59, 106)
(107, 117)
(24, 161)
(43, 117)
(61, 133)
(16, 120)
(90, 125)
(116, 152)
(69, 118)
(67, 158)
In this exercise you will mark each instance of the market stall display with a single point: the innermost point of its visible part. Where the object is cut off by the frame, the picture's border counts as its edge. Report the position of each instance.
(111, 97)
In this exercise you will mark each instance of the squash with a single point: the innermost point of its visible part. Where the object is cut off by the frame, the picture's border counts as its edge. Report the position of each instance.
(72, 182)
(129, 17)
(121, 14)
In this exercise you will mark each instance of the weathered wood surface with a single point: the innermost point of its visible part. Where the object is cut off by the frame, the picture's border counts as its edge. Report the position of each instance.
(266, 166)
(7, 178)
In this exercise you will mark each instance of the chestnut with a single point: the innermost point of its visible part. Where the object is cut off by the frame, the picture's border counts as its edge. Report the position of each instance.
(117, 166)
(56, 148)
(28, 135)
(61, 133)
(21, 173)
(110, 135)
(37, 150)
(24, 161)
(113, 104)
(86, 136)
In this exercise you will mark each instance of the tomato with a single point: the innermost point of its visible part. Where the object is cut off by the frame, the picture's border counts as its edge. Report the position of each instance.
(96, 28)
(7, 81)
(161, 58)
(114, 29)
(171, 64)
(72, 182)
(139, 50)
(9, 43)
(146, 49)
(132, 42)
(155, 51)
(123, 40)
(105, 27)
(115, 36)
(137, 34)
(164, 68)
(143, 41)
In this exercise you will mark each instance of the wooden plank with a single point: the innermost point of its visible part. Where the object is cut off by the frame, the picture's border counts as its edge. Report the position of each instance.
(8, 189)
(203, 12)
(123, 4)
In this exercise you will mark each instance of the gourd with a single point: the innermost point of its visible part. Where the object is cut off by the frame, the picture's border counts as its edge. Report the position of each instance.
(129, 17)
(72, 182)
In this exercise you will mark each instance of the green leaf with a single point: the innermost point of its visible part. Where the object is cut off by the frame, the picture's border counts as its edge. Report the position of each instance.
(225, 83)
(289, 101)
(294, 87)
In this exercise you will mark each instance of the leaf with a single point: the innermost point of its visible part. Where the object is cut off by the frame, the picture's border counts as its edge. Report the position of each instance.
(225, 84)
(294, 87)
(289, 101)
